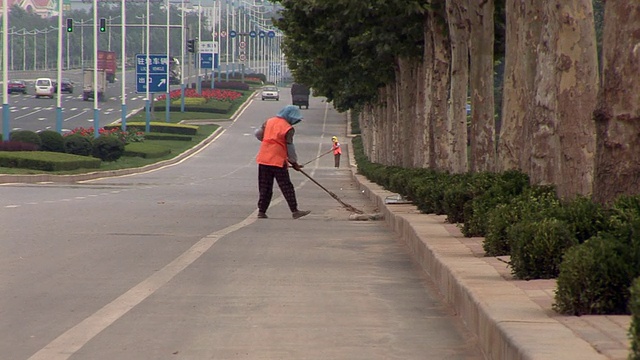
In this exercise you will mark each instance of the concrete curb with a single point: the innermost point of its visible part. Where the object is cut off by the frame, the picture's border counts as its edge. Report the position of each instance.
(506, 322)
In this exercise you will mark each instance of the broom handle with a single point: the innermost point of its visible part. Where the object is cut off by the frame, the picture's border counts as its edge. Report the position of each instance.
(332, 194)
(317, 157)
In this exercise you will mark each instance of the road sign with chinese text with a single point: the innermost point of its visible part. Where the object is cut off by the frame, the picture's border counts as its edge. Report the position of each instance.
(157, 76)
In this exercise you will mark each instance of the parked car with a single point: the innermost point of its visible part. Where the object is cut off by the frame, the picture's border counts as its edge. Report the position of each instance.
(44, 87)
(67, 86)
(17, 86)
(270, 92)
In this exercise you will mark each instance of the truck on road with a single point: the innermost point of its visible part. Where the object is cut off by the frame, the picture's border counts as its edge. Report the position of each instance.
(300, 95)
(89, 89)
(107, 62)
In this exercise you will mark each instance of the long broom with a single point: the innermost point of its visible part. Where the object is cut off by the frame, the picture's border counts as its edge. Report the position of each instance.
(310, 161)
(347, 206)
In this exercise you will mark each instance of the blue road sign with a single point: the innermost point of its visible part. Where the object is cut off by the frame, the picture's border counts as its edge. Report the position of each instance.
(157, 76)
(252, 33)
(271, 34)
(232, 33)
(261, 34)
(206, 60)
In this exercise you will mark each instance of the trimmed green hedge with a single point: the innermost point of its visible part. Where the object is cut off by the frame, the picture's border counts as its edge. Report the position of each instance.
(214, 107)
(147, 151)
(159, 127)
(47, 161)
(161, 136)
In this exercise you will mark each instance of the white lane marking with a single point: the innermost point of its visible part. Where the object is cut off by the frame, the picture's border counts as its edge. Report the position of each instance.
(33, 112)
(65, 345)
(76, 115)
(12, 206)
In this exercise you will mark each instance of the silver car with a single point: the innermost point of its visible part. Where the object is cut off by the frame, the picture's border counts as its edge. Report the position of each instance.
(44, 87)
(270, 92)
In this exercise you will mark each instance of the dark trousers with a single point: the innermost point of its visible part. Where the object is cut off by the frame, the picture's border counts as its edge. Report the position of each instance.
(337, 159)
(266, 174)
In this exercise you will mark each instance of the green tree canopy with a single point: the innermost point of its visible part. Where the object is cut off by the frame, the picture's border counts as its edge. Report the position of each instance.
(346, 50)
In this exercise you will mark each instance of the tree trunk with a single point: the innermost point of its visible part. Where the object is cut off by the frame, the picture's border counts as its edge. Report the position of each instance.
(457, 19)
(483, 126)
(617, 166)
(522, 36)
(420, 125)
(407, 99)
(428, 137)
(566, 87)
(439, 92)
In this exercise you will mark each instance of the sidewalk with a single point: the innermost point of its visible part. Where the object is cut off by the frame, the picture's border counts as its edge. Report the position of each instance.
(513, 319)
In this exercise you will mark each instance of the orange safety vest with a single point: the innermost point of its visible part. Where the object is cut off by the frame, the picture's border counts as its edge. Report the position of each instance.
(336, 148)
(273, 150)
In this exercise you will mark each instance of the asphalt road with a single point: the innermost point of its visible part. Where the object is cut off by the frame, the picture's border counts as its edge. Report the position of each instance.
(36, 114)
(173, 264)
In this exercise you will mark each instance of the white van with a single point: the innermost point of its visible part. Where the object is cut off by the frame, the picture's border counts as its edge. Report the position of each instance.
(44, 87)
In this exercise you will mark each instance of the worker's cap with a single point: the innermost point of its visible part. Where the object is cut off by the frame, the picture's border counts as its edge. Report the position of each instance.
(291, 114)
(334, 138)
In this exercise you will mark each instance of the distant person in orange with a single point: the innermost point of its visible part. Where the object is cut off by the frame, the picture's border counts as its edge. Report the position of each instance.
(336, 151)
(276, 152)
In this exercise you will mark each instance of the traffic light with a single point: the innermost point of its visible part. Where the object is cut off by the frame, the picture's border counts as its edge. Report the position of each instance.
(103, 24)
(191, 45)
(69, 25)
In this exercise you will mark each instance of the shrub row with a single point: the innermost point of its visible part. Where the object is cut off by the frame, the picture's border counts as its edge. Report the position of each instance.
(214, 107)
(46, 161)
(594, 252)
(161, 127)
(228, 85)
(148, 151)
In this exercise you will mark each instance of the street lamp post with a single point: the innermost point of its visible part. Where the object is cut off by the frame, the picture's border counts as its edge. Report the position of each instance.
(24, 49)
(141, 17)
(35, 48)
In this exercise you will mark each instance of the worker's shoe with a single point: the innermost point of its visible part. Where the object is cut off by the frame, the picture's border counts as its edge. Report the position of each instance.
(262, 215)
(300, 213)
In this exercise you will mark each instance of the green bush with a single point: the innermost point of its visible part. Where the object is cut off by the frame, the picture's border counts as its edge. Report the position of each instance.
(77, 144)
(634, 330)
(355, 122)
(585, 217)
(594, 278)
(431, 195)
(145, 150)
(26, 136)
(399, 180)
(47, 161)
(535, 203)
(537, 247)
(160, 127)
(458, 192)
(51, 141)
(161, 136)
(108, 148)
(503, 189)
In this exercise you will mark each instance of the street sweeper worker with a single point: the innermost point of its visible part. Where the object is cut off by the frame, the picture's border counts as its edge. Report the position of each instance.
(276, 152)
(336, 151)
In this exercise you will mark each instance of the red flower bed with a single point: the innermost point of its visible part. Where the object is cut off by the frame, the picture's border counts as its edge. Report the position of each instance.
(209, 94)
